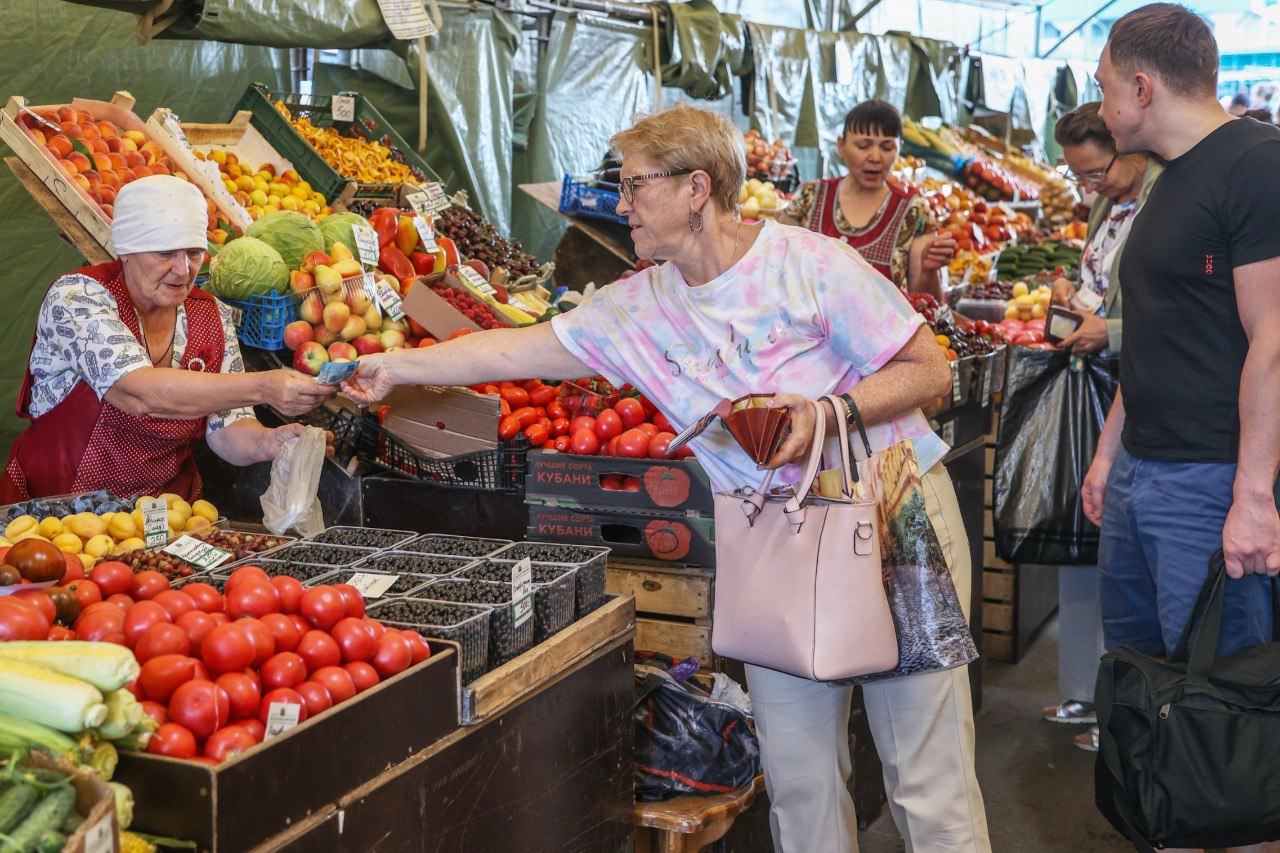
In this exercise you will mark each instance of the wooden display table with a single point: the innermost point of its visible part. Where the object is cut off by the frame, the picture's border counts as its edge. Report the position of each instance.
(688, 823)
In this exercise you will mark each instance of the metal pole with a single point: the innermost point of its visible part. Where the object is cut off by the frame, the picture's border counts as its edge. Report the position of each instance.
(863, 12)
(1078, 27)
(1039, 27)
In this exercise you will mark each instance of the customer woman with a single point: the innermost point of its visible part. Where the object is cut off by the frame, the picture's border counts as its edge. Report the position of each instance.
(1121, 183)
(889, 224)
(132, 365)
(735, 310)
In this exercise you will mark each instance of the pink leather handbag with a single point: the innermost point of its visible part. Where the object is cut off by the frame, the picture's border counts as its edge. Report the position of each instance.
(799, 587)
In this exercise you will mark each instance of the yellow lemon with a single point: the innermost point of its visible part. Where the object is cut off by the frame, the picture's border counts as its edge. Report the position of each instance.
(1019, 288)
(20, 525)
(99, 546)
(68, 543)
(50, 527)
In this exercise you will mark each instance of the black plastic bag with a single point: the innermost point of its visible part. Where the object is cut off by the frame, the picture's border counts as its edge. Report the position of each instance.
(1051, 416)
(686, 743)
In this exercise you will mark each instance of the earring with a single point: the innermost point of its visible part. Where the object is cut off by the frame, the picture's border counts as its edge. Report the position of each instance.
(695, 221)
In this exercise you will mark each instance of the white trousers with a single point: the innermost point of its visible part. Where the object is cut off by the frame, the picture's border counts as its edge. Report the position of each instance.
(922, 726)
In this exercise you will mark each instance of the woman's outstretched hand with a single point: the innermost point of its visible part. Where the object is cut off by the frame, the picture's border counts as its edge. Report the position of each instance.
(795, 447)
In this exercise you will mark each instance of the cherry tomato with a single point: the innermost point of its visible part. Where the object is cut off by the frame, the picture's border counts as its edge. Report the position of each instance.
(162, 639)
(509, 427)
(584, 443)
(147, 585)
(172, 740)
(631, 412)
(197, 624)
(337, 681)
(285, 669)
(562, 444)
(228, 742)
(243, 574)
(659, 444)
(112, 577)
(316, 697)
(162, 675)
(319, 650)
(264, 644)
(633, 444)
(363, 675)
(75, 570)
(244, 692)
(252, 598)
(582, 422)
(323, 606)
(418, 647)
(291, 590)
(227, 649)
(155, 711)
(393, 656)
(608, 424)
(556, 410)
(283, 631)
(201, 706)
(40, 600)
(86, 592)
(537, 435)
(355, 638)
(204, 596)
(351, 599)
(516, 398)
(286, 695)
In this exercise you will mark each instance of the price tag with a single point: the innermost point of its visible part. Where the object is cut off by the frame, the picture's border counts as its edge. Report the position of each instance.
(986, 381)
(407, 19)
(371, 585)
(429, 200)
(522, 591)
(955, 382)
(281, 716)
(426, 233)
(475, 281)
(155, 523)
(100, 838)
(949, 433)
(343, 107)
(366, 244)
(388, 300)
(332, 373)
(197, 552)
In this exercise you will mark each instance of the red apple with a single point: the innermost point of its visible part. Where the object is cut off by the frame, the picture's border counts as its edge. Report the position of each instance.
(312, 309)
(368, 343)
(392, 338)
(313, 260)
(336, 315)
(343, 350)
(309, 357)
(298, 333)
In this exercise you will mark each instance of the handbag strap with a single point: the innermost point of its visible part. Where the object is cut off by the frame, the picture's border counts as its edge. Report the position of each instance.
(795, 506)
(1206, 620)
(846, 457)
(852, 409)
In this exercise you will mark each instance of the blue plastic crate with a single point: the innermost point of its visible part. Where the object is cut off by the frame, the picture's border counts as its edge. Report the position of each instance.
(263, 318)
(578, 199)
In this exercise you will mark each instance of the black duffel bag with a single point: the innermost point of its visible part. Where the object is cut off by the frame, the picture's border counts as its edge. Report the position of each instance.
(1187, 749)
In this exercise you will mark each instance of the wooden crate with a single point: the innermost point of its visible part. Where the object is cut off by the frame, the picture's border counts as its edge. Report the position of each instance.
(678, 639)
(673, 606)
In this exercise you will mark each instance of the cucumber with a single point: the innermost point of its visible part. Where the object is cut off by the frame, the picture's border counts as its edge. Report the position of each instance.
(51, 842)
(14, 805)
(72, 823)
(48, 814)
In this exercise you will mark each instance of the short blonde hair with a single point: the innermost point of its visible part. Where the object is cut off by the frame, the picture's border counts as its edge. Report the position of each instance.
(689, 137)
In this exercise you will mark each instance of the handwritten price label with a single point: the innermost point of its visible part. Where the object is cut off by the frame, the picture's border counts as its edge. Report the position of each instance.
(197, 552)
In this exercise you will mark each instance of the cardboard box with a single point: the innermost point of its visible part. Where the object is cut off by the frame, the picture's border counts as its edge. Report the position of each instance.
(664, 485)
(441, 422)
(95, 802)
(429, 310)
(673, 537)
(246, 800)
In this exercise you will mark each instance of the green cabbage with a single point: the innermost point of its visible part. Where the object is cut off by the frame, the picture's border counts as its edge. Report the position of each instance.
(291, 234)
(247, 266)
(336, 228)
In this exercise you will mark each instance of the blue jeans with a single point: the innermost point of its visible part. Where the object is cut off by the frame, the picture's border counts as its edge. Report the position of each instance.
(1161, 522)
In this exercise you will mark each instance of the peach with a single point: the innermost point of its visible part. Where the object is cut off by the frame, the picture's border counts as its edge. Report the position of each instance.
(82, 181)
(90, 130)
(110, 179)
(101, 162)
(107, 129)
(67, 114)
(153, 149)
(137, 137)
(68, 167)
(107, 191)
(109, 211)
(158, 169)
(83, 117)
(126, 175)
(97, 197)
(81, 162)
(36, 136)
(182, 176)
(115, 144)
(117, 160)
(142, 172)
(168, 163)
(72, 129)
(97, 146)
(50, 116)
(60, 143)
(128, 144)
(93, 177)
(133, 159)
(50, 153)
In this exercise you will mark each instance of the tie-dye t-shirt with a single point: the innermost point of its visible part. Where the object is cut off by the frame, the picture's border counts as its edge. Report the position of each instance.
(800, 314)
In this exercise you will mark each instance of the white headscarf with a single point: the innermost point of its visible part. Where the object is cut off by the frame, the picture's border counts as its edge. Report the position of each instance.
(159, 213)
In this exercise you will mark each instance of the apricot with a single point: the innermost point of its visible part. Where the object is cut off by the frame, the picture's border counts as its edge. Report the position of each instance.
(209, 206)
(90, 130)
(168, 163)
(268, 168)
(182, 176)
(242, 197)
(70, 128)
(232, 159)
(81, 162)
(107, 129)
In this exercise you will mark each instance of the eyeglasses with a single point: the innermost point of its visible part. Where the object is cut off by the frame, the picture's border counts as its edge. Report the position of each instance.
(1094, 177)
(628, 185)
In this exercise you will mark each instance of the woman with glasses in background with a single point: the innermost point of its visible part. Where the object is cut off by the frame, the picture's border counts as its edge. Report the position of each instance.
(1122, 183)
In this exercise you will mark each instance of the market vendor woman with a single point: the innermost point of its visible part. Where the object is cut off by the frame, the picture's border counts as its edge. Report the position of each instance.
(132, 365)
(890, 225)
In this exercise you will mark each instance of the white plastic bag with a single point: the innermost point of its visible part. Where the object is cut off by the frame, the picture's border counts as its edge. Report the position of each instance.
(292, 500)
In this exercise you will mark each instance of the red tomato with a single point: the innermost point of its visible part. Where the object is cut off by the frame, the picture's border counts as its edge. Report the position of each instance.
(94, 626)
(608, 424)
(319, 650)
(337, 681)
(251, 725)
(283, 631)
(418, 648)
(227, 649)
(649, 408)
(264, 644)
(663, 425)
(323, 606)
(377, 627)
(559, 427)
(582, 422)
(40, 600)
(155, 711)
(611, 449)
(165, 674)
(121, 600)
(244, 692)
(537, 435)
(162, 639)
(525, 415)
(228, 742)
(516, 398)
(459, 334)
(352, 600)
(633, 444)
(252, 598)
(20, 620)
(86, 592)
(243, 574)
(393, 656)
(147, 585)
(557, 410)
(315, 696)
(631, 412)
(285, 695)
(285, 669)
(220, 618)
(291, 590)
(584, 443)
(175, 603)
(562, 444)
(58, 634)
(75, 570)
(363, 675)
(197, 624)
(112, 577)
(355, 638)
(658, 445)
(172, 740)
(302, 624)
(508, 427)
(201, 706)
(205, 597)
(543, 395)
(648, 429)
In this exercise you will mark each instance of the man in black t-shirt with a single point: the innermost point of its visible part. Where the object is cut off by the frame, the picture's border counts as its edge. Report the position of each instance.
(1189, 456)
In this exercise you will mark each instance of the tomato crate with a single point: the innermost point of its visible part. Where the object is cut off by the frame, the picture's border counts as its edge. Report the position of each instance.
(669, 536)
(588, 482)
(251, 797)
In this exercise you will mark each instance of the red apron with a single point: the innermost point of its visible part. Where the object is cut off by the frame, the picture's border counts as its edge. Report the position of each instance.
(83, 443)
(877, 242)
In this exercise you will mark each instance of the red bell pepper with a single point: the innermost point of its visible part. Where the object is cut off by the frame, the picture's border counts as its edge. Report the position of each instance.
(393, 262)
(384, 223)
(423, 263)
